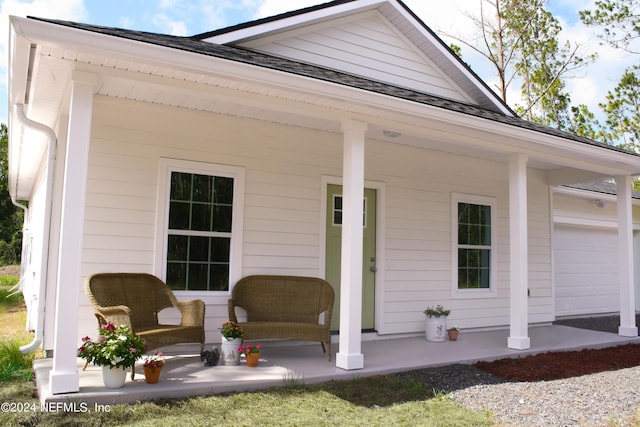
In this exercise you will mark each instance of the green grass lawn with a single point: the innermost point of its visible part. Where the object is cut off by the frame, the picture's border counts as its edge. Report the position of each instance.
(369, 401)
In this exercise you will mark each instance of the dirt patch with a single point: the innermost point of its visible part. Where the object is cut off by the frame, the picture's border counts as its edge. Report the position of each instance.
(557, 365)
(10, 270)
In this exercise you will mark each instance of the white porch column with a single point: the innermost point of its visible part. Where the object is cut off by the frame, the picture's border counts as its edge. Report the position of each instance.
(64, 377)
(518, 260)
(628, 326)
(349, 354)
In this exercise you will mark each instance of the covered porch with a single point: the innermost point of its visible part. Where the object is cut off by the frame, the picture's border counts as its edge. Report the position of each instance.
(284, 363)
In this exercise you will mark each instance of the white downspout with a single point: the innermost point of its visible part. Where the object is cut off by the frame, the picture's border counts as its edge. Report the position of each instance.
(51, 160)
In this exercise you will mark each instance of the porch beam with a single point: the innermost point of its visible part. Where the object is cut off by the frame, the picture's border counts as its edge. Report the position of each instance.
(64, 377)
(350, 355)
(518, 260)
(628, 326)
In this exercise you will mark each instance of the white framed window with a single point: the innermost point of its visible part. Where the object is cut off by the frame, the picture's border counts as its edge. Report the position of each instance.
(200, 225)
(473, 244)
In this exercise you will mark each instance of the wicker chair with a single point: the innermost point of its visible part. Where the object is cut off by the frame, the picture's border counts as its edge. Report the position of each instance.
(284, 307)
(134, 299)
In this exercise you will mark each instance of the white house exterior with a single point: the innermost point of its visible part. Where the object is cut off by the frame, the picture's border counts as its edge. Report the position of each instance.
(273, 114)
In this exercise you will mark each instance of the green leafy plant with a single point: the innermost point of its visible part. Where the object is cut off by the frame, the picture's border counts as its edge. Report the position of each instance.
(436, 311)
(248, 349)
(13, 364)
(154, 361)
(117, 346)
(231, 330)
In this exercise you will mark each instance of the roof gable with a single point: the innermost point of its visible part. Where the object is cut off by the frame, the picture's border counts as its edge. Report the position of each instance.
(377, 39)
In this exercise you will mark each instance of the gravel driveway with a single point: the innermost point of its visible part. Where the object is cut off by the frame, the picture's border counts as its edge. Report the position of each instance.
(602, 399)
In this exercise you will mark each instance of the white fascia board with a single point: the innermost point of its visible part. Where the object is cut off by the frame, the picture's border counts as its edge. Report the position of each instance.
(583, 194)
(589, 195)
(284, 24)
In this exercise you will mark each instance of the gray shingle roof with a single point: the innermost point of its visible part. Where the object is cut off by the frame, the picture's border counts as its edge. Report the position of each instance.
(603, 187)
(260, 59)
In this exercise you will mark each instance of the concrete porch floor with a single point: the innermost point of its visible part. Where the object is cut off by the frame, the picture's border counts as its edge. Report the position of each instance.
(185, 375)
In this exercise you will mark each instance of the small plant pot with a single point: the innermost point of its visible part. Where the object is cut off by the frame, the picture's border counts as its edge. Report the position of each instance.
(151, 376)
(453, 335)
(252, 359)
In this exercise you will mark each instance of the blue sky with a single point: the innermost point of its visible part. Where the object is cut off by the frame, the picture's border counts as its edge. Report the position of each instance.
(189, 17)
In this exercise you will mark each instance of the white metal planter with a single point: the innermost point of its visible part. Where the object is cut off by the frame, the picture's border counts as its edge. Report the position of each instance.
(436, 329)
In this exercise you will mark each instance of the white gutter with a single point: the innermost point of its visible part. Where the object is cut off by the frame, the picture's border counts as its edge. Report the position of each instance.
(51, 159)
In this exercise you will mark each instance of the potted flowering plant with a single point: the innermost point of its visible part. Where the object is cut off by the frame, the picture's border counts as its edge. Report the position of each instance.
(436, 326)
(116, 349)
(249, 349)
(152, 367)
(436, 311)
(231, 330)
(231, 339)
(453, 333)
(251, 353)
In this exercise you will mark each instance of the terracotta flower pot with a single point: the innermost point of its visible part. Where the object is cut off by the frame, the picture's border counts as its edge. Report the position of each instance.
(252, 359)
(151, 376)
(453, 335)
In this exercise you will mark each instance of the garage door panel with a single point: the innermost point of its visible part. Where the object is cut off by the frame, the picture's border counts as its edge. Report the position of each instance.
(586, 270)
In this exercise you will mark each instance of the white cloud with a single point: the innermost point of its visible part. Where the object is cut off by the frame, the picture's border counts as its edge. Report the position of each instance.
(274, 7)
(167, 25)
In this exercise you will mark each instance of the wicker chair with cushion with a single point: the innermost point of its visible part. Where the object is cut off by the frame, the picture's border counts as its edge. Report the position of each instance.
(135, 299)
(284, 307)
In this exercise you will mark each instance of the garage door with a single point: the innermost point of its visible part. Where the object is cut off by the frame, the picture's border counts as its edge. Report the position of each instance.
(586, 265)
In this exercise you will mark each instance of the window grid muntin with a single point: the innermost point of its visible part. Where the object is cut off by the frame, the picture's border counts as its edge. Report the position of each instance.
(474, 237)
(212, 273)
(338, 210)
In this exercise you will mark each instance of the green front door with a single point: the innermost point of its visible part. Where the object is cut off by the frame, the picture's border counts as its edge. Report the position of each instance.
(333, 254)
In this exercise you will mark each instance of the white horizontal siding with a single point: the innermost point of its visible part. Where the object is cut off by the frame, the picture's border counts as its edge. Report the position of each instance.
(418, 272)
(282, 218)
(282, 190)
(366, 45)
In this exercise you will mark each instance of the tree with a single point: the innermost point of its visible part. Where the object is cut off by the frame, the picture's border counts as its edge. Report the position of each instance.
(620, 22)
(11, 217)
(623, 110)
(520, 39)
(619, 19)
(542, 64)
(583, 122)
